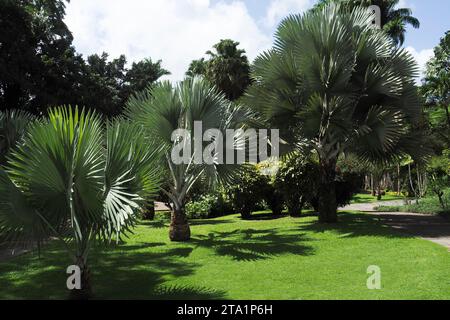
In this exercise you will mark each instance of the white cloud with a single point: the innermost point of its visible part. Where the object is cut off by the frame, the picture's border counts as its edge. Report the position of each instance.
(278, 9)
(176, 31)
(422, 57)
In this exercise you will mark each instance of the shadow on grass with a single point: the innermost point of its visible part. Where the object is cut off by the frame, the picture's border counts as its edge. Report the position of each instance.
(253, 245)
(124, 272)
(352, 225)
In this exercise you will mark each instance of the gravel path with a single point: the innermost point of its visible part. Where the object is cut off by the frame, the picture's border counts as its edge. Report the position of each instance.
(428, 227)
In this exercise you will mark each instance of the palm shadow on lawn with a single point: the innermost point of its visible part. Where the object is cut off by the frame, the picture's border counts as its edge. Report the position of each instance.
(125, 272)
(253, 245)
(353, 225)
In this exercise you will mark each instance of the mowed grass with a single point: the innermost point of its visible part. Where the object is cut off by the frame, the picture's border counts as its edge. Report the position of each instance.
(368, 198)
(286, 258)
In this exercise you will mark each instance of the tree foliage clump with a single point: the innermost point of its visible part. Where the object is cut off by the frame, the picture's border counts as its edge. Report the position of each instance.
(227, 68)
(77, 181)
(334, 84)
(40, 68)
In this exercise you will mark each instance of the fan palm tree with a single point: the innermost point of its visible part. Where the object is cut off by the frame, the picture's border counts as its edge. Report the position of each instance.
(13, 125)
(394, 20)
(72, 180)
(163, 110)
(333, 84)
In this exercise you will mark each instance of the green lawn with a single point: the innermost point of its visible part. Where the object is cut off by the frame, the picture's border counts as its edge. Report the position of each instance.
(368, 198)
(229, 258)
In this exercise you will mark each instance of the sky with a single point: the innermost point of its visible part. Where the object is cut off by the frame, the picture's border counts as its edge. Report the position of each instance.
(179, 31)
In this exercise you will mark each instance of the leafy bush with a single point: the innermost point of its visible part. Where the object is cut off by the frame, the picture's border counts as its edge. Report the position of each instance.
(297, 180)
(249, 192)
(212, 205)
(429, 205)
(201, 209)
(274, 199)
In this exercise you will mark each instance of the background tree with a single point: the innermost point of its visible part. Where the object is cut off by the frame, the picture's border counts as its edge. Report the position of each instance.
(35, 52)
(227, 68)
(13, 127)
(73, 181)
(142, 74)
(335, 85)
(197, 68)
(40, 68)
(394, 20)
(436, 90)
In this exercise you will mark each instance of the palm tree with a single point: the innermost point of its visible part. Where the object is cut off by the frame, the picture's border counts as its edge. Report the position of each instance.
(163, 110)
(13, 125)
(72, 180)
(333, 84)
(394, 20)
(228, 69)
(197, 68)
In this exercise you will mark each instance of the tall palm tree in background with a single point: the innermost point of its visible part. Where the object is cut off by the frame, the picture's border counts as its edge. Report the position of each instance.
(394, 20)
(72, 180)
(164, 109)
(227, 68)
(333, 84)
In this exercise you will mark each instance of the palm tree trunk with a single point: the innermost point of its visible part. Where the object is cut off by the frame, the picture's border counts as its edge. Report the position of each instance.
(85, 293)
(327, 193)
(179, 227)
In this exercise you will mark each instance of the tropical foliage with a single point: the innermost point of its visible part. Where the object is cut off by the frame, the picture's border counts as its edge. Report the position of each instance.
(70, 179)
(40, 68)
(227, 68)
(164, 109)
(436, 90)
(394, 20)
(335, 85)
(13, 126)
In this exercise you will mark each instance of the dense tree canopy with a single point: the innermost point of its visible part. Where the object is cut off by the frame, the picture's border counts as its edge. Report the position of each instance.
(227, 68)
(40, 68)
(394, 20)
(436, 90)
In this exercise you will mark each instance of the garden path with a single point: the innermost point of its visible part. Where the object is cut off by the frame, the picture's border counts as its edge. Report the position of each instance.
(429, 227)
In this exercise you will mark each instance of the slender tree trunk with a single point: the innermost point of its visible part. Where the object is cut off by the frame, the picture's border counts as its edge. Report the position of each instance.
(327, 193)
(399, 185)
(179, 226)
(85, 293)
(372, 185)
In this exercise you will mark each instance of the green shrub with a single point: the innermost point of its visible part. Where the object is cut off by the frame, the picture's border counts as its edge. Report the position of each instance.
(249, 193)
(429, 205)
(201, 209)
(208, 206)
(274, 199)
(297, 180)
